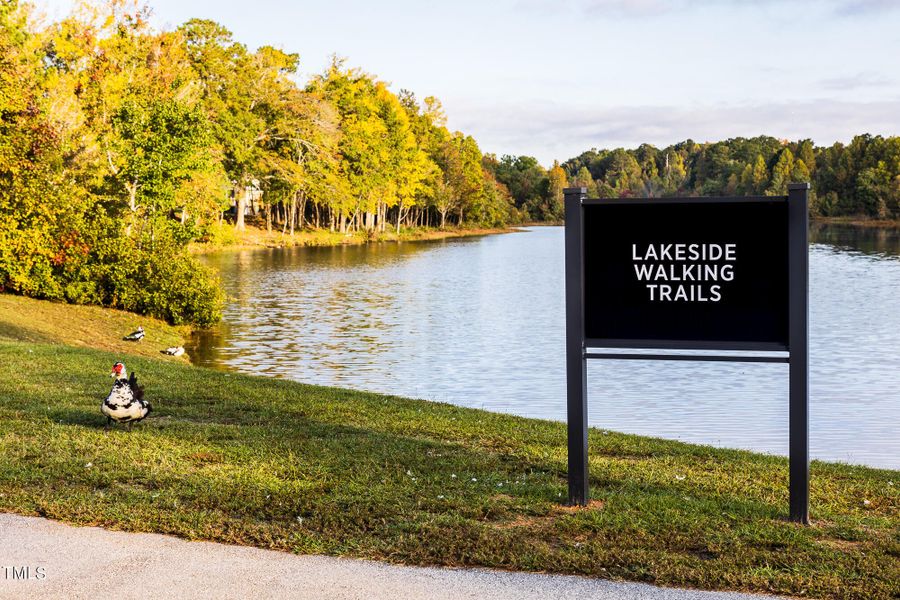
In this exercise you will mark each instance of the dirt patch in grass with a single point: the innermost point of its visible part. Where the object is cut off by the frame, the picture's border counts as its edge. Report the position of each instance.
(205, 457)
(577, 508)
(842, 545)
(540, 521)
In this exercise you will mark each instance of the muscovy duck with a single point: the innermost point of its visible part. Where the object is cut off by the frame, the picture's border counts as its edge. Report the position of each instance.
(125, 403)
(136, 335)
(174, 351)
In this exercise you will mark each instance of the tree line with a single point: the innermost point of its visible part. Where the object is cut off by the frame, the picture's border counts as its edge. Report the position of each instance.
(860, 179)
(119, 144)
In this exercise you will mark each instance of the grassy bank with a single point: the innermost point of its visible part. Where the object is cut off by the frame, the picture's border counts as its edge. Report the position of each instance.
(859, 222)
(281, 465)
(28, 320)
(226, 237)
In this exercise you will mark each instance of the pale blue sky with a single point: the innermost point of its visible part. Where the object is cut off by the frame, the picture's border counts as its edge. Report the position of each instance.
(554, 78)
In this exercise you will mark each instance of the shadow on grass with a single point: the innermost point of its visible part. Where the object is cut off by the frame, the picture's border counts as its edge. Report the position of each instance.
(20, 333)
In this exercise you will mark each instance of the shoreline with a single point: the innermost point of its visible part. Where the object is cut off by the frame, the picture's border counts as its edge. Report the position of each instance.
(256, 238)
(856, 222)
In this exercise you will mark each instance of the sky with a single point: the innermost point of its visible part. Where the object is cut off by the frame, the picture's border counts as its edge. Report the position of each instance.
(553, 78)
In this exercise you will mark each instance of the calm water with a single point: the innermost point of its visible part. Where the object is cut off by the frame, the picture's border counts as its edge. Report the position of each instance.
(480, 322)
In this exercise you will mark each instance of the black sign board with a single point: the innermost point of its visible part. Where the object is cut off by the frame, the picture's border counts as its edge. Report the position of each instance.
(688, 274)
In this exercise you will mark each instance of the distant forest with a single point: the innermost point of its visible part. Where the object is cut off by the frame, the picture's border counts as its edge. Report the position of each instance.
(860, 179)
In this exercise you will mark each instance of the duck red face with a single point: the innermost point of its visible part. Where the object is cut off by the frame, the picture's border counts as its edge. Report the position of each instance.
(118, 370)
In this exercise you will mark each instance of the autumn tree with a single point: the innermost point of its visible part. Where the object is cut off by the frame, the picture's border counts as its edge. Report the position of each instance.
(555, 209)
(226, 77)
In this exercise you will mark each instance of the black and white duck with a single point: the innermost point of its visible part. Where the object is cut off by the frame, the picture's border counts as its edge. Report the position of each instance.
(136, 335)
(174, 351)
(125, 403)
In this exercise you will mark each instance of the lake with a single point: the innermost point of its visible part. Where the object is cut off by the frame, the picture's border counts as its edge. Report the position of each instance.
(480, 322)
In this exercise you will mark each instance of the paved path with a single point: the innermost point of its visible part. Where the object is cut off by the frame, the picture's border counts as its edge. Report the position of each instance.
(88, 562)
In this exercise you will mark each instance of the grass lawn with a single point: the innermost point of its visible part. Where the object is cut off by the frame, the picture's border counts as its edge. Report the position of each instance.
(28, 320)
(277, 464)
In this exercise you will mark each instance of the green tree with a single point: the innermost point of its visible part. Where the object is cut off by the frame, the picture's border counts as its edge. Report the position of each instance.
(408, 166)
(227, 75)
(584, 179)
(622, 172)
(674, 171)
(157, 148)
(781, 173)
(806, 152)
(67, 128)
(525, 179)
(754, 177)
(879, 191)
(799, 172)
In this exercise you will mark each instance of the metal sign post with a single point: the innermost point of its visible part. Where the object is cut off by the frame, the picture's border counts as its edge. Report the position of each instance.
(688, 274)
(798, 250)
(576, 364)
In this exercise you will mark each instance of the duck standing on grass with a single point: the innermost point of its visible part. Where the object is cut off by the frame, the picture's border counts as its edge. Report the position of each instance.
(125, 403)
(136, 335)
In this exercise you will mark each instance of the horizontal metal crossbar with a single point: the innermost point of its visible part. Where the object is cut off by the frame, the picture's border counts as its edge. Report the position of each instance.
(693, 357)
(599, 343)
(683, 200)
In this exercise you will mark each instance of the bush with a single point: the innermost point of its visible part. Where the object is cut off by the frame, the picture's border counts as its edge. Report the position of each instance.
(98, 264)
(178, 289)
(220, 234)
(159, 279)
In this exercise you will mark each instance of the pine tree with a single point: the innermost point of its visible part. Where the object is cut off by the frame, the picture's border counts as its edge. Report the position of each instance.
(760, 175)
(781, 173)
(584, 179)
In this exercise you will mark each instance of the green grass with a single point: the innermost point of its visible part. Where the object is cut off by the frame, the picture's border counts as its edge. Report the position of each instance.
(309, 469)
(28, 320)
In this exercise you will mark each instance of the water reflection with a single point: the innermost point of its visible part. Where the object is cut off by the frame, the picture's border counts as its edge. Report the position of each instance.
(480, 322)
(880, 241)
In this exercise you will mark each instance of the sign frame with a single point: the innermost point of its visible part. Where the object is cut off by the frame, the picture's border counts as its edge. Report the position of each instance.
(579, 348)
